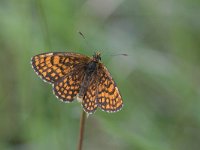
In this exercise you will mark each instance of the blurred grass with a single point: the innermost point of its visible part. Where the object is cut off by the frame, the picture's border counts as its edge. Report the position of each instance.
(159, 80)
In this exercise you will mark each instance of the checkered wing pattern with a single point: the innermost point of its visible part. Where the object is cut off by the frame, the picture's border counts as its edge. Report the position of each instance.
(109, 98)
(51, 67)
(89, 102)
(68, 87)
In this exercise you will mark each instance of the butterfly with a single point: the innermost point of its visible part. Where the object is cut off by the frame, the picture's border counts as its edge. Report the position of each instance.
(76, 76)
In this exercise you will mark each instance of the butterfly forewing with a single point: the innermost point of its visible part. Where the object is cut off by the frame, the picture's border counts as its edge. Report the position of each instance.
(109, 98)
(53, 66)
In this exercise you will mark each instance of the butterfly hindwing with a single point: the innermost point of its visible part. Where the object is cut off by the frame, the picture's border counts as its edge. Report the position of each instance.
(68, 87)
(89, 101)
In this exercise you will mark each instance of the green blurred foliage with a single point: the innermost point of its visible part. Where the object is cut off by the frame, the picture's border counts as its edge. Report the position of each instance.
(159, 80)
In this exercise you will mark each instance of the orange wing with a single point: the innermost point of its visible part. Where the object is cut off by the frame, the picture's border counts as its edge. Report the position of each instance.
(53, 66)
(89, 101)
(109, 98)
(68, 87)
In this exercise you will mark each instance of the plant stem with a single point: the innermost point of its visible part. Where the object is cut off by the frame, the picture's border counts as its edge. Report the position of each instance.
(81, 133)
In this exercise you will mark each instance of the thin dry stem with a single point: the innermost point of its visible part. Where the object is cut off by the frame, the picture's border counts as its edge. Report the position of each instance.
(81, 133)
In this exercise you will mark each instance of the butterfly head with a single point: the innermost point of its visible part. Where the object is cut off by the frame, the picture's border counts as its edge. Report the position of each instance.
(97, 56)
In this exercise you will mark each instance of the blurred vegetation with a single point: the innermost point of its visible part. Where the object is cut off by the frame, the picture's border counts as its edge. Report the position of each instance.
(159, 80)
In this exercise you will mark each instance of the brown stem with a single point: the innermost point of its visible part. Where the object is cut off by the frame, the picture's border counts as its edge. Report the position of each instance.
(82, 124)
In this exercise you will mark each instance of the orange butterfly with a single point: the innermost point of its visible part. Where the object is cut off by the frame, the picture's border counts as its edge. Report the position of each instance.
(76, 76)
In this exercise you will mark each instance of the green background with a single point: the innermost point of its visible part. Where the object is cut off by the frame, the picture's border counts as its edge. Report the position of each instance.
(159, 79)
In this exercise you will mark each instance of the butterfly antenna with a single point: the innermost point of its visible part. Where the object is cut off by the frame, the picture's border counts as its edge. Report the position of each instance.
(83, 36)
(119, 55)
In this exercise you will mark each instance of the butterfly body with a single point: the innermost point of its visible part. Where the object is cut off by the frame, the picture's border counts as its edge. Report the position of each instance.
(78, 76)
(90, 71)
